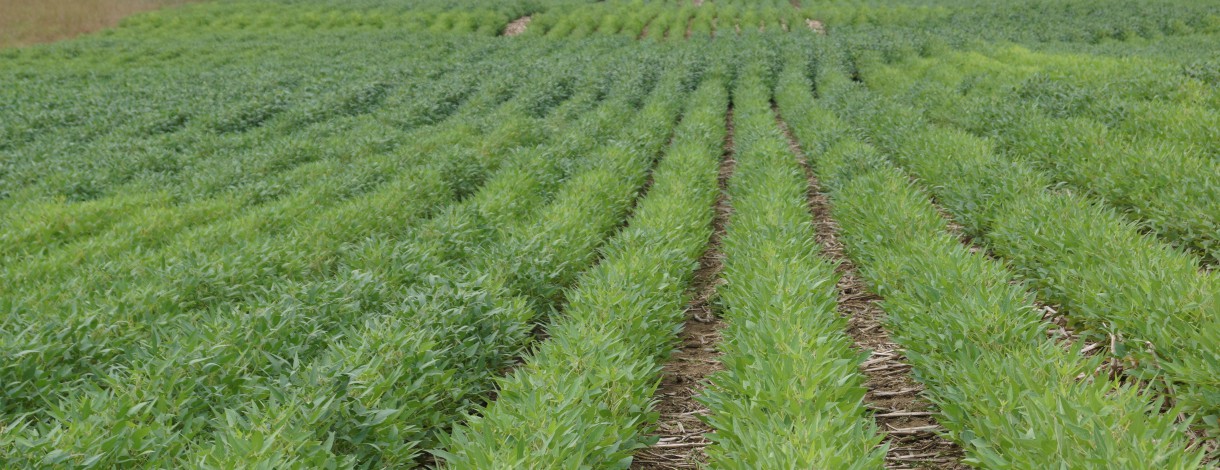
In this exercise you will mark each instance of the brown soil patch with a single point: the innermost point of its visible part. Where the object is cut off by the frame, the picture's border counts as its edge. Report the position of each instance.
(517, 26)
(689, 23)
(816, 26)
(697, 3)
(680, 432)
(26, 22)
(902, 414)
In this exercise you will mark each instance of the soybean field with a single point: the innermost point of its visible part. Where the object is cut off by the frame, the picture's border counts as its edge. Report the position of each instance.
(622, 234)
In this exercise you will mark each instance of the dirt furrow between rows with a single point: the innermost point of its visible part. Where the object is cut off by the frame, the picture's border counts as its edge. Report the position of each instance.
(680, 431)
(906, 418)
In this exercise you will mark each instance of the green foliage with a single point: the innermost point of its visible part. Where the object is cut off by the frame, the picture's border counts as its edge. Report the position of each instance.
(791, 395)
(580, 400)
(1108, 278)
(1007, 393)
(1140, 145)
(326, 233)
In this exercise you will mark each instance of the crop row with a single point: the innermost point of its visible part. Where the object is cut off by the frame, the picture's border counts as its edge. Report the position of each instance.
(1087, 22)
(581, 398)
(196, 167)
(407, 373)
(1149, 98)
(426, 296)
(1172, 187)
(791, 394)
(1011, 396)
(138, 293)
(300, 300)
(476, 18)
(307, 241)
(1144, 97)
(661, 22)
(1095, 25)
(57, 125)
(1151, 301)
(365, 169)
(70, 184)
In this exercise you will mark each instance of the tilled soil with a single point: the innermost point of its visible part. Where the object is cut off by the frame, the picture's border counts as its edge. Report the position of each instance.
(517, 26)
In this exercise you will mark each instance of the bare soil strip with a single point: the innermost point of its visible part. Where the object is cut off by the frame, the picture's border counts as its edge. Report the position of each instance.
(902, 414)
(816, 26)
(679, 430)
(26, 22)
(517, 26)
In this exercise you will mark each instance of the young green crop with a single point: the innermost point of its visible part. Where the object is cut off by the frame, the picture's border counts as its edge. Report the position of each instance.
(580, 399)
(309, 249)
(453, 344)
(1168, 186)
(375, 296)
(1109, 279)
(319, 233)
(263, 167)
(791, 395)
(1009, 395)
